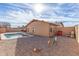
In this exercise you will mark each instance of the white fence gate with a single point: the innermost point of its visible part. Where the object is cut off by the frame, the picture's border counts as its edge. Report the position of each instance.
(77, 32)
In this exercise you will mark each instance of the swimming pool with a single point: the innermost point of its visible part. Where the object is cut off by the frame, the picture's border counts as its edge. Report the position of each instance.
(13, 35)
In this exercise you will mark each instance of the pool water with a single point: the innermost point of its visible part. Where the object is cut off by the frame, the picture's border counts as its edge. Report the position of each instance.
(12, 35)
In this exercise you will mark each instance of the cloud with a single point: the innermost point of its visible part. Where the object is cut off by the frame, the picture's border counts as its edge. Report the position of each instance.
(17, 15)
(62, 12)
(20, 13)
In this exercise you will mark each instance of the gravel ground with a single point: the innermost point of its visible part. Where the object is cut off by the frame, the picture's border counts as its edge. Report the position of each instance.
(24, 47)
(65, 47)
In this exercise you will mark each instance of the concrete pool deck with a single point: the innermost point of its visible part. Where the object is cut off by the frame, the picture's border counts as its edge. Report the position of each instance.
(7, 47)
(24, 47)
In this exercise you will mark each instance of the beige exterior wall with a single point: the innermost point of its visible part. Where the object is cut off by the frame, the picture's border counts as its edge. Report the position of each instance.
(43, 29)
(54, 30)
(38, 28)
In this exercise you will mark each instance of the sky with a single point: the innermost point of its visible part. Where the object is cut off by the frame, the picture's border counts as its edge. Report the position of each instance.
(19, 14)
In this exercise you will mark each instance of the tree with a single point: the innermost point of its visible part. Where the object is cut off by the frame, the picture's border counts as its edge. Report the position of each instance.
(5, 24)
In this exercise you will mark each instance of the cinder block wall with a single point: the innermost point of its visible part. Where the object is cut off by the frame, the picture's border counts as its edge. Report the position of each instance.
(2, 30)
(65, 30)
(13, 30)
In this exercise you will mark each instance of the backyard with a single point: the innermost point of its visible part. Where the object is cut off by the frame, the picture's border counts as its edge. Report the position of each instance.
(24, 47)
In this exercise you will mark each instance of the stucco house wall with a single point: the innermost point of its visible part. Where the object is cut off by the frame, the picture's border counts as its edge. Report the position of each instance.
(43, 28)
(38, 28)
(54, 30)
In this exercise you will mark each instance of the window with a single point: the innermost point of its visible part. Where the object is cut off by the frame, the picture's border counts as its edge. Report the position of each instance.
(33, 30)
(50, 29)
(27, 29)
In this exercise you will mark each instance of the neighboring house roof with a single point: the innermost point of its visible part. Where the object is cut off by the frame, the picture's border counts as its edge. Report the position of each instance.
(35, 20)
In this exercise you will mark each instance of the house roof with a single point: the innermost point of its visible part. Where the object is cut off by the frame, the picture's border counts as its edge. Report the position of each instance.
(35, 20)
